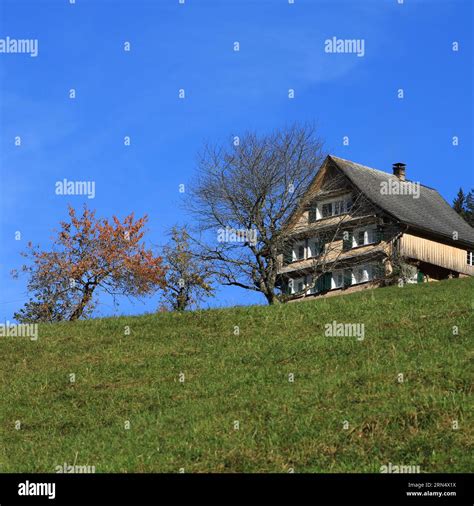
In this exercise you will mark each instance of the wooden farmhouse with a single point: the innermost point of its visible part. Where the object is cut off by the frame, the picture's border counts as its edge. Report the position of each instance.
(355, 227)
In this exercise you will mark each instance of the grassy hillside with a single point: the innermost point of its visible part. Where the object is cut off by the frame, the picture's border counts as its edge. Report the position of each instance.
(245, 377)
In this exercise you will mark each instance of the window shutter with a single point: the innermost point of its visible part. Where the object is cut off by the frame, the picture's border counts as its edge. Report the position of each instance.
(287, 255)
(347, 278)
(379, 235)
(312, 214)
(319, 284)
(347, 243)
(285, 289)
(327, 281)
(324, 282)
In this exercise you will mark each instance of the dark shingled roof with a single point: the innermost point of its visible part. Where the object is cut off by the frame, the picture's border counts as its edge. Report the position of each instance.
(429, 212)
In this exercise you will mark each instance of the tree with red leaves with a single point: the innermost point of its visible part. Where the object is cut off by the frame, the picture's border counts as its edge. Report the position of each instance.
(89, 255)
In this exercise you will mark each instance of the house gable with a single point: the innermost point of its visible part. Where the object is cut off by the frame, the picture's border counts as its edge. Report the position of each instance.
(329, 182)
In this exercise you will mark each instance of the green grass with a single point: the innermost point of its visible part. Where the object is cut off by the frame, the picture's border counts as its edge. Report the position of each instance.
(244, 377)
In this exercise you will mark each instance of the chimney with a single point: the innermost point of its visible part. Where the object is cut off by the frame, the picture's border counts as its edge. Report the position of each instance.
(399, 170)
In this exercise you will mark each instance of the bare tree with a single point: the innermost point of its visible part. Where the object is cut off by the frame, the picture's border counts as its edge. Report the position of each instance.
(188, 278)
(243, 195)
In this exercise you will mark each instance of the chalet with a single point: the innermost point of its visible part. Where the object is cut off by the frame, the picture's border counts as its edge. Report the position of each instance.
(355, 227)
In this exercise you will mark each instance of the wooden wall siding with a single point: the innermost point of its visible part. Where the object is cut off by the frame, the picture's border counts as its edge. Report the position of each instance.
(390, 231)
(435, 253)
(334, 254)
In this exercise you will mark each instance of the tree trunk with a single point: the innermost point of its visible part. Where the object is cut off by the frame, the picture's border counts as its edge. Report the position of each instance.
(272, 298)
(86, 298)
(182, 300)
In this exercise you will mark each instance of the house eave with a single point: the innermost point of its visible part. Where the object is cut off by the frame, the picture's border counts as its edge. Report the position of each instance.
(437, 236)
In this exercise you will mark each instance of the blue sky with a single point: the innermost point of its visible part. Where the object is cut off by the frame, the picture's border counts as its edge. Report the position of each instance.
(190, 46)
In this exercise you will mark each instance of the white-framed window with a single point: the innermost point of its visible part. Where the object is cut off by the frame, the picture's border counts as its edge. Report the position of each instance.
(315, 247)
(357, 275)
(363, 236)
(299, 252)
(338, 207)
(371, 235)
(334, 207)
(337, 279)
(363, 273)
(326, 210)
(297, 285)
(470, 257)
